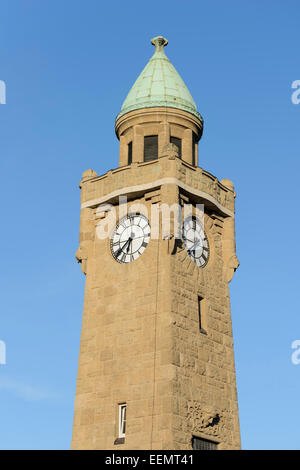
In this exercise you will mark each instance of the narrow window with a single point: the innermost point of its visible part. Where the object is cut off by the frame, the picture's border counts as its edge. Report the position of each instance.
(177, 142)
(129, 153)
(122, 420)
(194, 149)
(150, 148)
(201, 314)
(203, 444)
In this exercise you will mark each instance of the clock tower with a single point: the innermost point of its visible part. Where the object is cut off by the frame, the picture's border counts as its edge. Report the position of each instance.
(156, 363)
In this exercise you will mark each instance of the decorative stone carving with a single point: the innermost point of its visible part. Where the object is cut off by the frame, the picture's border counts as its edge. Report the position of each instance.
(171, 151)
(204, 419)
(81, 257)
(231, 262)
(231, 267)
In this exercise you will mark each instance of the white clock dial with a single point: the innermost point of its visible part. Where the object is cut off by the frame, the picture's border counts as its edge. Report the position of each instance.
(130, 238)
(195, 241)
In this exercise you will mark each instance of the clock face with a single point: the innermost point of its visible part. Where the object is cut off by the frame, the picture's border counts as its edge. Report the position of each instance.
(130, 238)
(195, 241)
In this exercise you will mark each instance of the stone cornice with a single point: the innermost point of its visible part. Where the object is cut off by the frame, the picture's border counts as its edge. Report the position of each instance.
(141, 177)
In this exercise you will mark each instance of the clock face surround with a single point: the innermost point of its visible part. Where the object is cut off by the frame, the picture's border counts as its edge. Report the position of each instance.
(130, 238)
(195, 241)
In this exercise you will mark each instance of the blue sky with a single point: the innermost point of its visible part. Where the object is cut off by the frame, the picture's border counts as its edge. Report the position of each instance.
(68, 67)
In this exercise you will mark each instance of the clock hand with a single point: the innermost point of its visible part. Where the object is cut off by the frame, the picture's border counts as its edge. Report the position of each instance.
(187, 239)
(195, 244)
(130, 240)
(122, 248)
(129, 244)
(135, 238)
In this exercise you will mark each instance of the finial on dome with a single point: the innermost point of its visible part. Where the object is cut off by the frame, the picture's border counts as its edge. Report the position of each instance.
(159, 42)
(159, 85)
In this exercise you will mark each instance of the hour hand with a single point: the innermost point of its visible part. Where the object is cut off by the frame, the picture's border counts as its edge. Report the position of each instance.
(122, 247)
(126, 243)
(129, 244)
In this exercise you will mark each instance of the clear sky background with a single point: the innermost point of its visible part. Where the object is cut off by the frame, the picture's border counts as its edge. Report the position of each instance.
(68, 66)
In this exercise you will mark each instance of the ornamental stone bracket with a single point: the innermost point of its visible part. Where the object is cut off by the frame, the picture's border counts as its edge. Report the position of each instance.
(81, 256)
(232, 265)
(231, 262)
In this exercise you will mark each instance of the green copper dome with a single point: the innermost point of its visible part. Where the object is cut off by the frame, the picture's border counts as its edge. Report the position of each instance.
(159, 84)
